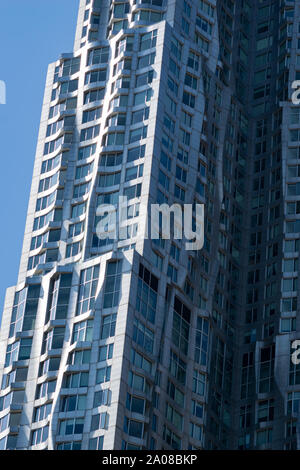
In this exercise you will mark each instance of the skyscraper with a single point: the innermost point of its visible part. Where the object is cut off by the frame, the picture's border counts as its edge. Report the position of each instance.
(138, 343)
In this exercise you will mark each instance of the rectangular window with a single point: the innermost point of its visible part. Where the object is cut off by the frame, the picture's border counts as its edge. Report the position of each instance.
(83, 331)
(112, 284)
(147, 294)
(87, 289)
(181, 325)
(143, 336)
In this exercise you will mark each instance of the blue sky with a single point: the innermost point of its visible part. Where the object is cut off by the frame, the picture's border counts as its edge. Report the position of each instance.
(33, 33)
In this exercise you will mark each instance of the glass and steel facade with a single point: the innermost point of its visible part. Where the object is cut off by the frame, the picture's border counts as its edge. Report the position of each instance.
(136, 343)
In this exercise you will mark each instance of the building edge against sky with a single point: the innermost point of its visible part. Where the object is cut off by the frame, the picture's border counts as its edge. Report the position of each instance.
(138, 343)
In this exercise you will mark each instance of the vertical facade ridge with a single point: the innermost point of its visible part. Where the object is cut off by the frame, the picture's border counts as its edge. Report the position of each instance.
(128, 342)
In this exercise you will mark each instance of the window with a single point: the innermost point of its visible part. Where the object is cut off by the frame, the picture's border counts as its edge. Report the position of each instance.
(83, 331)
(89, 133)
(47, 183)
(266, 372)
(111, 159)
(51, 164)
(138, 382)
(46, 388)
(174, 417)
(172, 272)
(4, 423)
(53, 128)
(71, 426)
(78, 210)
(188, 99)
(136, 153)
(199, 383)
(138, 134)
(109, 179)
(169, 123)
(99, 421)
(287, 325)
(24, 310)
(144, 79)
(113, 138)
(181, 325)
(69, 87)
(147, 294)
(6, 400)
(182, 155)
(94, 95)
(171, 105)
(177, 367)
(265, 411)
(197, 409)
(133, 428)
(95, 76)
(140, 361)
(60, 289)
(73, 445)
(181, 174)
(118, 119)
(171, 438)
(208, 8)
(18, 351)
(125, 44)
(196, 431)
(96, 443)
(119, 101)
(46, 201)
(191, 81)
(86, 152)
(148, 40)
(91, 115)
(121, 10)
(83, 171)
(203, 24)
(103, 375)
(108, 326)
(87, 289)
(54, 339)
(142, 97)
(98, 56)
(106, 352)
(80, 357)
(135, 404)
(172, 85)
(80, 190)
(149, 16)
(76, 380)
(41, 412)
(72, 403)
(39, 435)
(175, 394)
(134, 172)
(203, 44)
(67, 104)
(185, 25)
(101, 398)
(264, 437)
(143, 336)
(71, 66)
(201, 341)
(176, 48)
(165, 160)
(140, 116)
(112, 284)
(167, 142)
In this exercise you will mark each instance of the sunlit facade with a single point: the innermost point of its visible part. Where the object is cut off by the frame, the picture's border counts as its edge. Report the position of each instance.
(132, 343)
